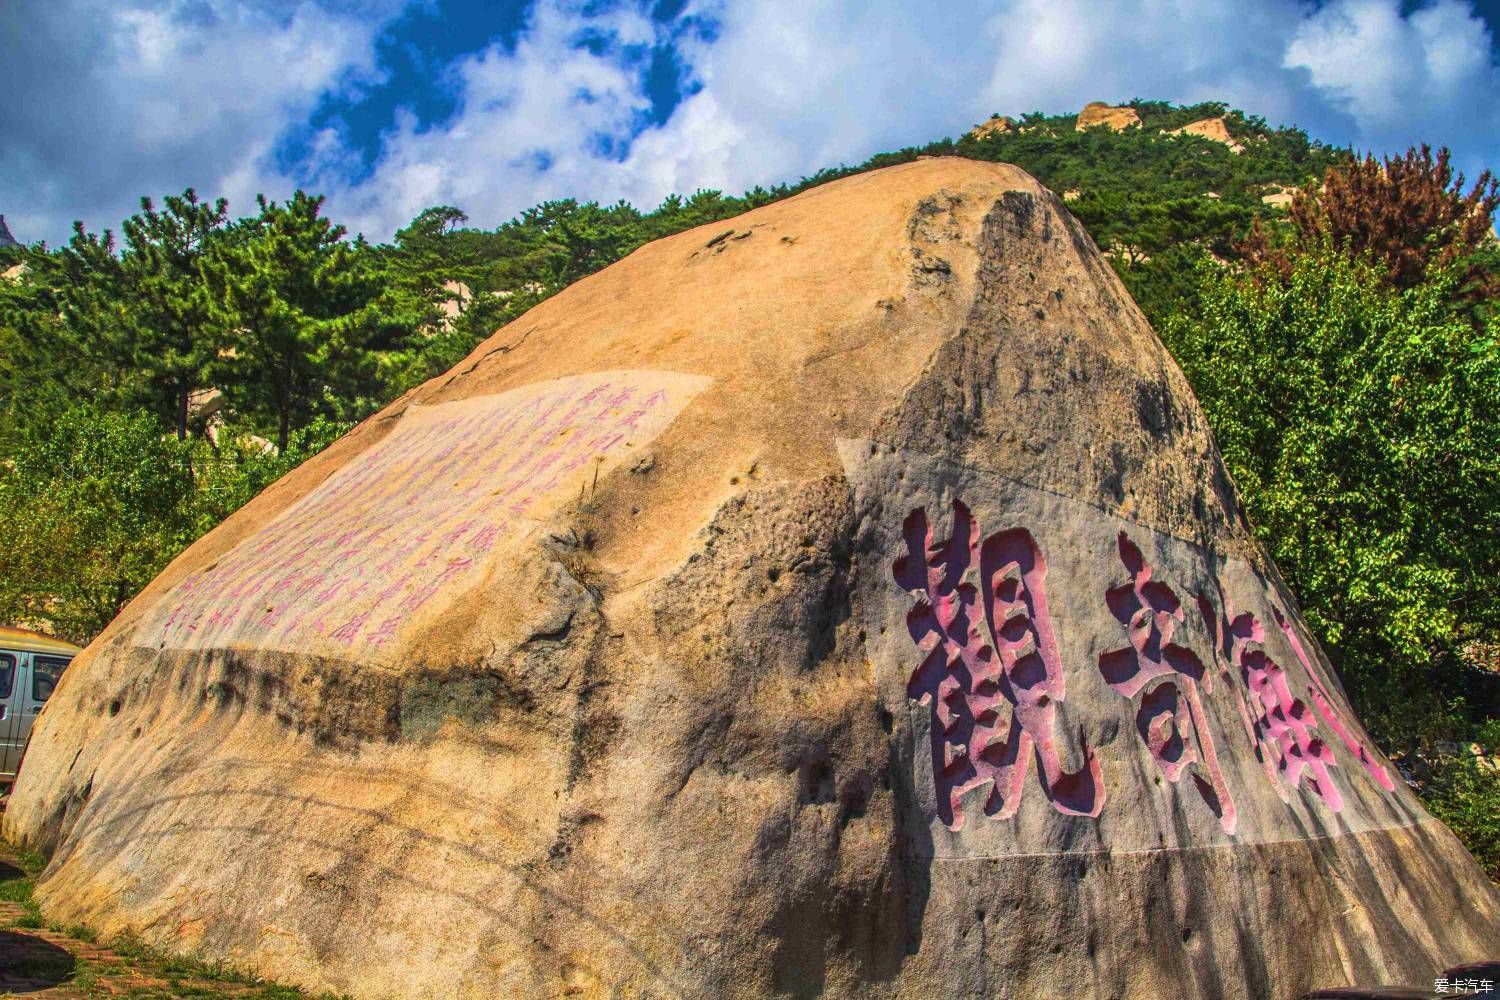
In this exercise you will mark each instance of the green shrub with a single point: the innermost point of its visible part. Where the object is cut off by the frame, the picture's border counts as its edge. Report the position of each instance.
(1463, 791)
(92, 505)
(1360, 424)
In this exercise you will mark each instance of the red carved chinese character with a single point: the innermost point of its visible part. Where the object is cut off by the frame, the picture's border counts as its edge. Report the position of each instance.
(416, 545)
(604, 442)
(217, 619)
(1170, 720)
(580, 458)
(417, 598)
(170, 621)
(632, 419)
(322, 597)
(484, 538)
(292, 623)
(391, 590)
(1280, 726)
(553, 401)
(451, 537)
(285, 583)
(615, 402)
(582, 404)
(1329, 713)
(270, 615)
(966, 681)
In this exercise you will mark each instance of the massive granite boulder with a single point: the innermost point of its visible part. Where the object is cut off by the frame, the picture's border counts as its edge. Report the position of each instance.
(843, 599)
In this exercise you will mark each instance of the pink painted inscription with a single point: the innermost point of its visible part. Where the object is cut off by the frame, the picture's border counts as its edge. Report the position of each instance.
(417, 517)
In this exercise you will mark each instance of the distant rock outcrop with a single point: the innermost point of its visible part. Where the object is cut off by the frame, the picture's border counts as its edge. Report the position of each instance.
(6, 239)
(1213, 129)
(1279, 196)
(204, 403)
(459, 295)
(996, 125)
(1099, 113)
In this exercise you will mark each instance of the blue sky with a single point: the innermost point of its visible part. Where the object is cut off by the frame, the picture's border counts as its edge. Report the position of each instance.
(418, 47)
(391, 106)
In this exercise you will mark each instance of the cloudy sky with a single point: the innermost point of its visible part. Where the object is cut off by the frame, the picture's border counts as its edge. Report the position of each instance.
(391, 106)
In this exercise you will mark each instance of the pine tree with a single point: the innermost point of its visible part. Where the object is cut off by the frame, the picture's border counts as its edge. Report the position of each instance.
(42, 368)
(295, 306)
(172, 340)
(142, 312)
(94, 305)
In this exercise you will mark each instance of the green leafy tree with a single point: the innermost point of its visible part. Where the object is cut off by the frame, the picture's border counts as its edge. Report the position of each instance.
(1464, 792)
(42, 370)
(95, 503)
(437, 297)
(86, 284)
(92, 507)
(1360, 424)
(295, 305)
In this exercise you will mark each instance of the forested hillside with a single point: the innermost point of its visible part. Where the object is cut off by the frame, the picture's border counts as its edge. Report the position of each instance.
(1342, 340)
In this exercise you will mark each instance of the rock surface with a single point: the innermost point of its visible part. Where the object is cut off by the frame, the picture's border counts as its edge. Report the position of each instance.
(205, 403)
(1098, 113)
(1213, 129)
(844, 599)
(458, 298)
(994, 125)
(1280, 196)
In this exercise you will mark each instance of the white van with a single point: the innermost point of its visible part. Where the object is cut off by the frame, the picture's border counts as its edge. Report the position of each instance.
(31, 664)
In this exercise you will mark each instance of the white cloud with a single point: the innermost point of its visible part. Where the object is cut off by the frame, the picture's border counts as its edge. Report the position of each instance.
(783, 88)
(106, 102)
(789, 86)
(1426, 77)
(532, 124)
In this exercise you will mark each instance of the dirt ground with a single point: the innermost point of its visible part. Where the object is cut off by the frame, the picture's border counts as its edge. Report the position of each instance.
(40, 962)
